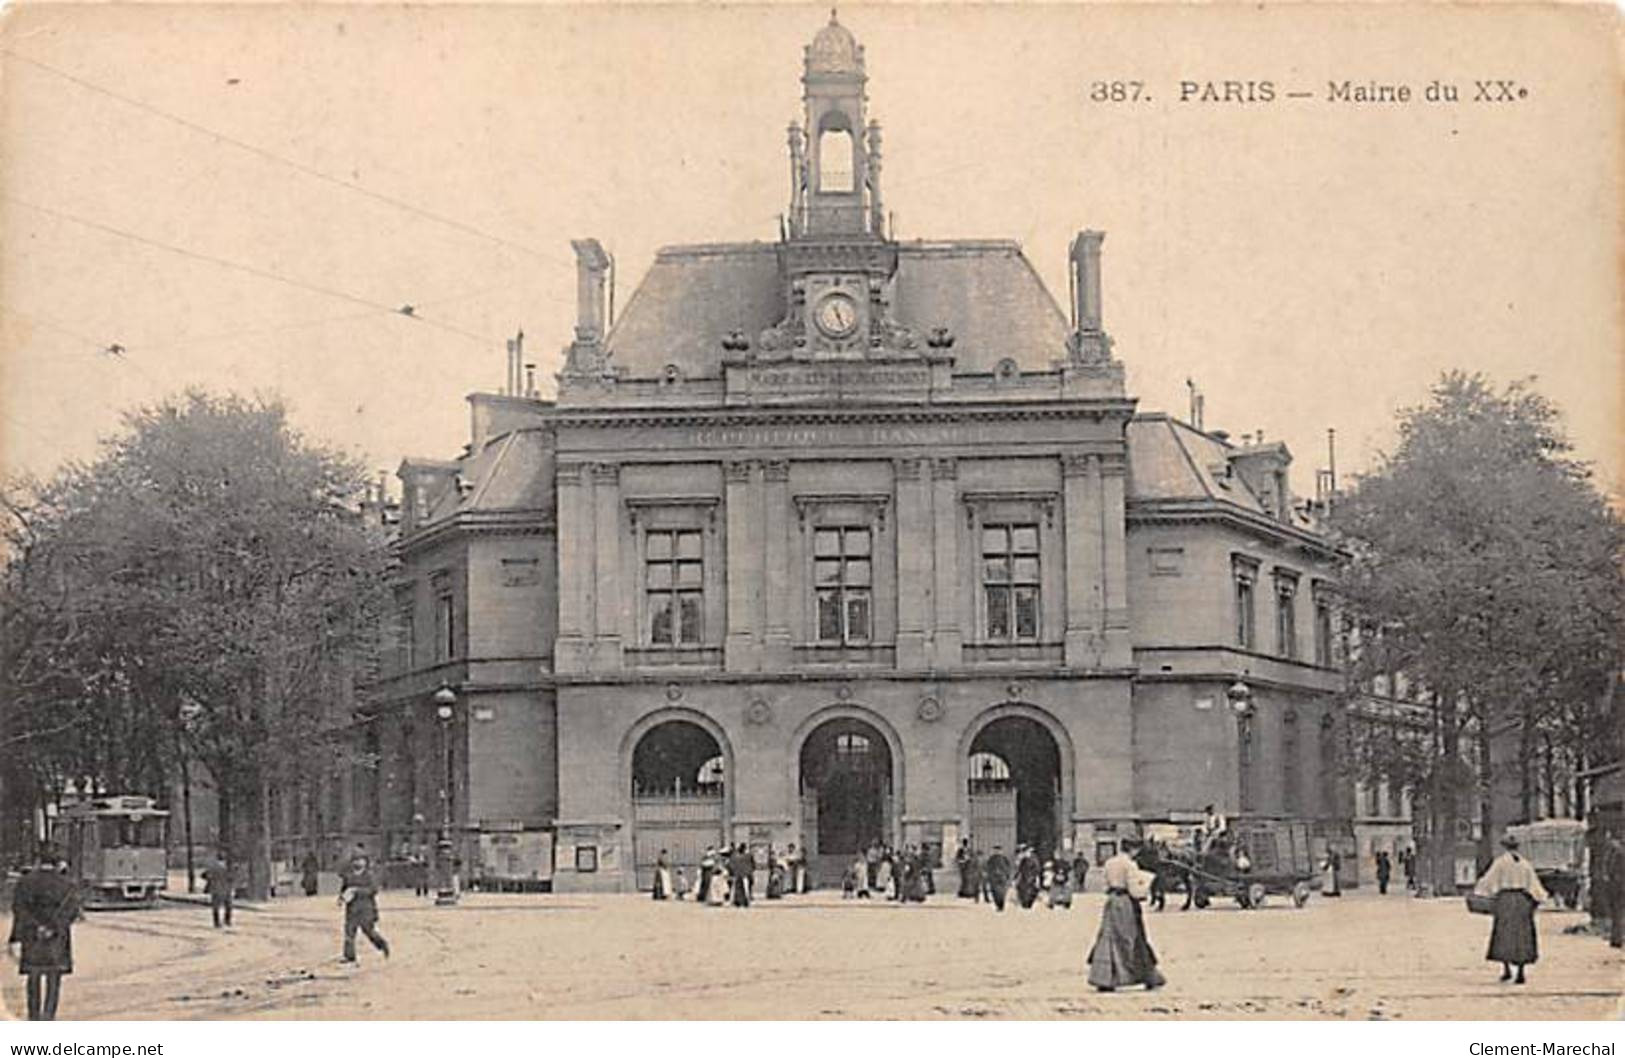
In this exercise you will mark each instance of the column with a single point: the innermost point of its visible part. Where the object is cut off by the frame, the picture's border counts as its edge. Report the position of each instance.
(740, 651)
(947, 636)
(776, 558)
(570, 651)
(913, 563)
(1085, 644)
(606, 534)
(1113, 475)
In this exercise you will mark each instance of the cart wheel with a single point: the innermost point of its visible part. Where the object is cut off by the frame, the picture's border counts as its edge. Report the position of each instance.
(1255, 895)
(1300, 894)
(1202, 899)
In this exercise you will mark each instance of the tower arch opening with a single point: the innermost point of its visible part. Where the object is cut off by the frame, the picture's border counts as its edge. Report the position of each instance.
(679, 778)
(1014, 783)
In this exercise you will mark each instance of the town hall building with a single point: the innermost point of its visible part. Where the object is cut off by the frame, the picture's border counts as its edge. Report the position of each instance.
(837, 539)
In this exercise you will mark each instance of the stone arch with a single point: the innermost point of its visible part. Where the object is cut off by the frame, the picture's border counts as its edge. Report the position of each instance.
(1067, 802)
(651, 720)
(894, 747)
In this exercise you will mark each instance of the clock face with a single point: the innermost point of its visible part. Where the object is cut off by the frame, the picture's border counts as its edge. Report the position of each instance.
(836, 315)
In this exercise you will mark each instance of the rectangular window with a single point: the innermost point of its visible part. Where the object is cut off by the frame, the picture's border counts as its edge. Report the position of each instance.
(405, 638)
(843, 584)
(445, 628)
(1244, 608)
(1323, 633)
(1286, 617)
(1010, 582)
(674, 586)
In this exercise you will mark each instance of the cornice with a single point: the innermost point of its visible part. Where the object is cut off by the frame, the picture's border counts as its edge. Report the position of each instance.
(1173, 512)
(614, 418)
(529, 522)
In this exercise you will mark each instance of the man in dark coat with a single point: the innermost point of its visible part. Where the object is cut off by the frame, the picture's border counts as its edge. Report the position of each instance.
(997, 872)
(1613, 895)
(358, 895)
(741, 869)
(217, 883)
(1385, 870)
(43, 909)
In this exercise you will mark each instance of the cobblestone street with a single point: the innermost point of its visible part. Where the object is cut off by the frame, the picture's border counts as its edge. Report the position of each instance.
(619, 957)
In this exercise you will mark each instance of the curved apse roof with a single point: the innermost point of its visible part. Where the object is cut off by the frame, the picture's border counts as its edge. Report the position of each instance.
(985, 292)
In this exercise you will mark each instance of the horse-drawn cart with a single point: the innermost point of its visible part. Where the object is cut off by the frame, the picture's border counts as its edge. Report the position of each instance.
(1247, 863)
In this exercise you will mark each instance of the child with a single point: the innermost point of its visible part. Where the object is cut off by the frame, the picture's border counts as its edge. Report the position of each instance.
(681, 887)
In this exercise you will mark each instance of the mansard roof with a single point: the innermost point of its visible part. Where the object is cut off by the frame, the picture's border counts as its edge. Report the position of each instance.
(1171, 461)
(985, 292)
(513, 472)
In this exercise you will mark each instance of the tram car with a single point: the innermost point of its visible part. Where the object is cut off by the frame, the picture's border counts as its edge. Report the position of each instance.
(116, 850)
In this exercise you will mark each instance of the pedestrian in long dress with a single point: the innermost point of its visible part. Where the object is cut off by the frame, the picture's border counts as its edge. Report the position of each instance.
(883, 875)
(661, 889)
(1512, 881)
(358, 895)
(1027, 874)
(1060, 884)
(44, 907)
(1122, 954)
(997, 872)
(309, 876)
(217, 883)
(1385, 870)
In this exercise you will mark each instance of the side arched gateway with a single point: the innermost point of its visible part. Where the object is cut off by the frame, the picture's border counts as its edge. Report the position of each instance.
(679, 769)
(1017, 765)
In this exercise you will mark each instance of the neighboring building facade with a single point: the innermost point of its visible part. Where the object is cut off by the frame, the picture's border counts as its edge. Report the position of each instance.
(840, 539)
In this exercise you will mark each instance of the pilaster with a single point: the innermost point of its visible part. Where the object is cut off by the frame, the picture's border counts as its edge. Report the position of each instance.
(1085, 593)
(606, 538)
(913, 562)
(571, 652)
(742, 649)
(776, 557)
(947, 636)
(1113, 479)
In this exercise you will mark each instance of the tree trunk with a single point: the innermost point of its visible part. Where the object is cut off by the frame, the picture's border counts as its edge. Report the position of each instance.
(186, 817)
(223, 819)
(1486, 795)
(262, 867)
(1444, 864)
(1526, 738)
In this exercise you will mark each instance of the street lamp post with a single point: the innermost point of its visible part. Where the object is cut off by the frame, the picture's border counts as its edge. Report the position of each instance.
(445, 699)
(1240, 697)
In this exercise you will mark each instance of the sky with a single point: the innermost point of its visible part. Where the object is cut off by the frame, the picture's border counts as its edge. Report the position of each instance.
(240, 198)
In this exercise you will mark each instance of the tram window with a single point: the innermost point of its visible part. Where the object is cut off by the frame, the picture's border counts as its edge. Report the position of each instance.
(126, 833)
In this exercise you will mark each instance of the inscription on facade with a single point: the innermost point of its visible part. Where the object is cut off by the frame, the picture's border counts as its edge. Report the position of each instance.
(814, 435)
(829, 381)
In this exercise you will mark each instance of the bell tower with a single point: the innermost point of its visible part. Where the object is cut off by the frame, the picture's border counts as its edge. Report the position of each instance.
(835, 155)
(835, 259)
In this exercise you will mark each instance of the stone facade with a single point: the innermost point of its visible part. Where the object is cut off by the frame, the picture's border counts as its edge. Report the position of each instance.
(840, 539)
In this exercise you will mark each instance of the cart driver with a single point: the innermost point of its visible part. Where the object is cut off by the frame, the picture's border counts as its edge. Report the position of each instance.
(1213, 824)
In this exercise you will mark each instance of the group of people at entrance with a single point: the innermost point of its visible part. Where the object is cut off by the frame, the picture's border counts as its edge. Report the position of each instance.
(728, 877)
(992, 877)
(901, 875)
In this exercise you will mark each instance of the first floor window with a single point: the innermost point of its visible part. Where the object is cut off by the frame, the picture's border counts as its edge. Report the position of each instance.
(843, 579)
(1286, 614)
(445, 628)
(674, 586)
(1245, 637)
(1010, 581)
(1323, 632)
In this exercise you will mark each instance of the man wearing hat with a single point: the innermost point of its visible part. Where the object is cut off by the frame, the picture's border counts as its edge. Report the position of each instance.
(1512, 881)
(358, 895)
(43, 909)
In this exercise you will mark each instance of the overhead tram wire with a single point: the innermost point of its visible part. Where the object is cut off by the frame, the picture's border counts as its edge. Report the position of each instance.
(252, 270)
(313, 173)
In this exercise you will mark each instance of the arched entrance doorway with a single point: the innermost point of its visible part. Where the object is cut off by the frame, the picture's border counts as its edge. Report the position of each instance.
(846, 794)
(1015, 786)
(679, 776)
